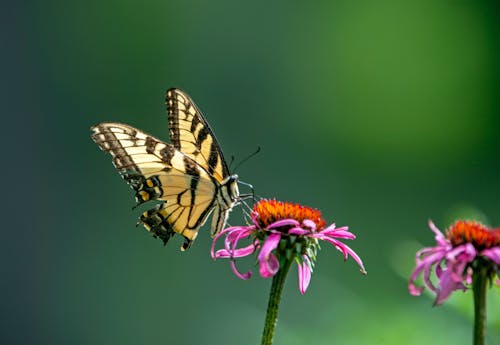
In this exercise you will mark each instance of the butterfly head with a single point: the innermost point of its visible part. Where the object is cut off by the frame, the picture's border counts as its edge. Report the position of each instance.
(232, 183)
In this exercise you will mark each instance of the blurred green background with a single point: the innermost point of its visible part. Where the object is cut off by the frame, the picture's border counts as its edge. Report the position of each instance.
(382, 114)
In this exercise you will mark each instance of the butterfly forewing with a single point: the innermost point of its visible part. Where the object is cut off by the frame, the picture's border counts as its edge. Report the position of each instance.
(191, 134)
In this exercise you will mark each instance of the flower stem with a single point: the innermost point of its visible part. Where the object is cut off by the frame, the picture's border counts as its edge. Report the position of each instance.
(479, 281)
(274, 302)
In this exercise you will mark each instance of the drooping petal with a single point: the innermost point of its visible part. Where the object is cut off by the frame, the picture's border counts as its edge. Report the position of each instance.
(412, 287)
(424, 266)
(429, 262)
(269, 267)
(232, 238)
(447, 284)
(224, 232)
(268, 263)
(427, 275)
(304, 274)
(338, 245)
(243, 276)
(346, 250)
(356, 258)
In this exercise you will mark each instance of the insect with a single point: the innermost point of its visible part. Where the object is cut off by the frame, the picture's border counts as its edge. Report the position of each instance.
(188, 176)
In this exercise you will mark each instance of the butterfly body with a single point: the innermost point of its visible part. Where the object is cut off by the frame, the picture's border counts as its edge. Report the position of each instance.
(189, 176)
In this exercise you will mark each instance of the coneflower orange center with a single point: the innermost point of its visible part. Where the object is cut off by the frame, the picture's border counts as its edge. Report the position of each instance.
(270, 211)
(473, 232)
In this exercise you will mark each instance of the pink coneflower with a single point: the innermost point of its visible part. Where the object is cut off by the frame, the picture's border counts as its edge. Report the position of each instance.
(280, 232)
(467, 248)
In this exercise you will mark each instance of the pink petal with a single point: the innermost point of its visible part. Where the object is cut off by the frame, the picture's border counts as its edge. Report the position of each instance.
(298, 231)
(468, 275)
(269, 264)
(425, 266)
(414, 290)
(338, 234)
(243, 276)
(225, 231)
(304, 274)
(269, 267)
(231, 240)
(428, 262)
(332, 227)
(466, 251)
(457, 260)
(283, 222)
(446, 286)
(356, 258)
(440, 239)
(428, 251)
(427, 277)
(338, 245)
(453, 276)
(237, 253)
(310, 224)
(493, 254)
(346, 250)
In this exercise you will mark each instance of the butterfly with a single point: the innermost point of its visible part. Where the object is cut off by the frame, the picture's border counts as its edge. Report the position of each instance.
(188, 176)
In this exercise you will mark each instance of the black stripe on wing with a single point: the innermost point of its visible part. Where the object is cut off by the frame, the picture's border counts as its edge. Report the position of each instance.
(191, 134)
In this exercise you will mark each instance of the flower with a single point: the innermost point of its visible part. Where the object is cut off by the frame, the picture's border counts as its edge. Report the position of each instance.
(283, 231)
(467, 246)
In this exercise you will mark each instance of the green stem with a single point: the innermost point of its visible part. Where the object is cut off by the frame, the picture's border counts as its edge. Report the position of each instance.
(274, 302)
(479, 281)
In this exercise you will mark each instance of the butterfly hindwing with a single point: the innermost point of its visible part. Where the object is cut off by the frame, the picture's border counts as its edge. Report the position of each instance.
(191, 134)
(158, 171)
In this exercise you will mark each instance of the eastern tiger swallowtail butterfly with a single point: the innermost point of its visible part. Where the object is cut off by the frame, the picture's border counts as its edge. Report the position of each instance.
(189, 176)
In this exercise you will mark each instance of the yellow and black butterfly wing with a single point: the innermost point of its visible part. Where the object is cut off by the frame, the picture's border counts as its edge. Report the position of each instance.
(158, 171)
(191, 134)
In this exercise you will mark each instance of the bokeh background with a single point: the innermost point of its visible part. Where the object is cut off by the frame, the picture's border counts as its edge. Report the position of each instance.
(382, 114)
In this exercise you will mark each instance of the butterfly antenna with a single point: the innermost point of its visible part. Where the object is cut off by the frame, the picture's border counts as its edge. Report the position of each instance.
(231, 162)
(247, 158)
